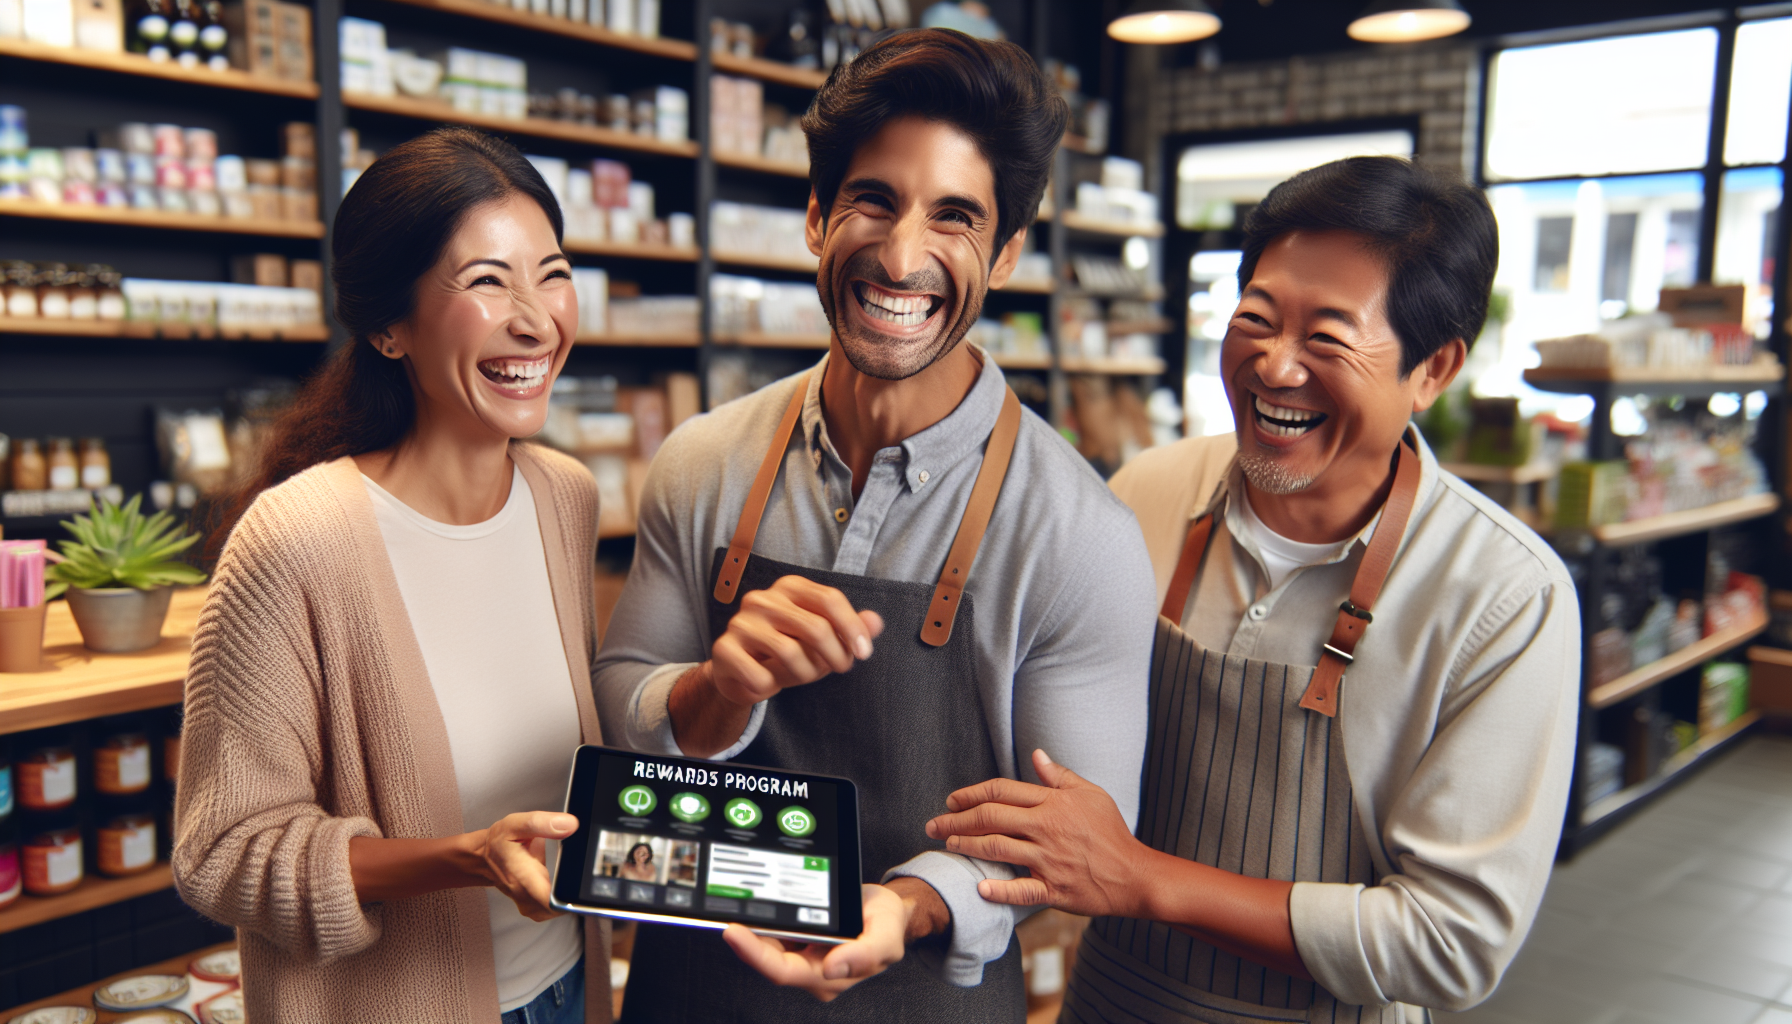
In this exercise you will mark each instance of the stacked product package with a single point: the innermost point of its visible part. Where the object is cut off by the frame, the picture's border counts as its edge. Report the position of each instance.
(1119, 198)
(747, 305)
(742, 122)
(592, 286)
(740, 229)
(162, 167)
(601, 203)
(494, 85)
(230, 308)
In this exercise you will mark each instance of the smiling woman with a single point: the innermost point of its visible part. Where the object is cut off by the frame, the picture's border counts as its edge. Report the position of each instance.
(372, 779)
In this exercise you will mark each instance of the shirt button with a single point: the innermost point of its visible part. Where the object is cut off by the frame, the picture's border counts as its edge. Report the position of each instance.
(921, 476)
(840, 515)
(1258, 612)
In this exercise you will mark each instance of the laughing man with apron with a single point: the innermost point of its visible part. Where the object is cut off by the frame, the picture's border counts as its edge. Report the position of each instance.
(885, 568)
(1364, 683)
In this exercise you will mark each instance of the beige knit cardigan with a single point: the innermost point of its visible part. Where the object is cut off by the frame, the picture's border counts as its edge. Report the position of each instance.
(310, 719)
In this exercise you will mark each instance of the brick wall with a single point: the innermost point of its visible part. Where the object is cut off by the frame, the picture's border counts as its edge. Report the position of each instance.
(1439, 84)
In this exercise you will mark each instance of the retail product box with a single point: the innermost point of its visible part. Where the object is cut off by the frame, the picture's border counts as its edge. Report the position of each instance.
(271, 38)
(1770, 682)
(1702, 304)
(262, 268)
(1591, 494)
(99, 25)
(1723, 695)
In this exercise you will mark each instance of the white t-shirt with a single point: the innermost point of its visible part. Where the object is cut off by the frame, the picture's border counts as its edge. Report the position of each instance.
(479, 600)
(1282, 556)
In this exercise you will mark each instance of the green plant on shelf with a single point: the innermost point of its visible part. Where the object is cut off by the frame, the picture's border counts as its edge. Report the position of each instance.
(118, 546)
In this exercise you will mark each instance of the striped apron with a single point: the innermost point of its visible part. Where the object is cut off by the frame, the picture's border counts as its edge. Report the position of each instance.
(1245, 772)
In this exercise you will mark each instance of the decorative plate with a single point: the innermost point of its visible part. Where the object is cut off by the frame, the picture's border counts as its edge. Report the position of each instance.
(57, 1015)
(224, 1008)
(225, 966)
(140, 992)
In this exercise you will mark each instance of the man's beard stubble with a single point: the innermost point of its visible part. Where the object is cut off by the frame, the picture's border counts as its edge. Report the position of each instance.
(876, 356)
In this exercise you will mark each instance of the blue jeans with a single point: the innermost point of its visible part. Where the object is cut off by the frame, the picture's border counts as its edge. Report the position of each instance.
(563, 1002)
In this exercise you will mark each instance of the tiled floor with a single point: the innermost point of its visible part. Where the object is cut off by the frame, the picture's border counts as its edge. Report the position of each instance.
(1682, 915)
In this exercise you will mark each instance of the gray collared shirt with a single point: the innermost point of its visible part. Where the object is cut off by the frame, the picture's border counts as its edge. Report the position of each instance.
(1062, 589)
(1458, 716)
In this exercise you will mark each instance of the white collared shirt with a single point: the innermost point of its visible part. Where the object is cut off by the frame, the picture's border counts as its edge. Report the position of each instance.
(1459, 716)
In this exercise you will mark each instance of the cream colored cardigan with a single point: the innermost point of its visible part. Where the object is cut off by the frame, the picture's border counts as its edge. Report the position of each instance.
(310, 719)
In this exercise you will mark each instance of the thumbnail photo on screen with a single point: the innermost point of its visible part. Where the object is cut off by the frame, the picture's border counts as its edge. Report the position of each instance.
(720, 844)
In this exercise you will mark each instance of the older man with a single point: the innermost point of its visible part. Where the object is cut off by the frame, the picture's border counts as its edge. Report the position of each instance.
(1327, 591)
(896, 492)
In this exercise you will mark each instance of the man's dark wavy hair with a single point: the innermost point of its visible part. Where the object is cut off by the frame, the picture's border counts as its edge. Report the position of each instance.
(1436, 234)
(992, 91)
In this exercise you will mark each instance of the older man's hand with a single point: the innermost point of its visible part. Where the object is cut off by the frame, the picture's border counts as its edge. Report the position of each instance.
(1068, 833)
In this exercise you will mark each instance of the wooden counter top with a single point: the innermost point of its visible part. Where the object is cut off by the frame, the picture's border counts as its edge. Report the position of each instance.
(76, 683)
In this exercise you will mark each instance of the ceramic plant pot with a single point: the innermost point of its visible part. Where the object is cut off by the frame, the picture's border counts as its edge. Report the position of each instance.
(118, 620)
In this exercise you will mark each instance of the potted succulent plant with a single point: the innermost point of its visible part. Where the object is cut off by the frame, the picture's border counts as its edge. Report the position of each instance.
(117, 573)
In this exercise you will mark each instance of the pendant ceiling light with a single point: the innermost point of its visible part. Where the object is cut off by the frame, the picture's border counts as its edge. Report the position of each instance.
(1165, 21)
(1408, 21)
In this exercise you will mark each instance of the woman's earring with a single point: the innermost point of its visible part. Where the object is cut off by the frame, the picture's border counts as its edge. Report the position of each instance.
(388, 350)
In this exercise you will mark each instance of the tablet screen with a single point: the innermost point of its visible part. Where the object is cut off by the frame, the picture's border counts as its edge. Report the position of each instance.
(715, 841)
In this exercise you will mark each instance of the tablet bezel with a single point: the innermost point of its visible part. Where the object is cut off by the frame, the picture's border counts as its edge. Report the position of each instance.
(581, 787)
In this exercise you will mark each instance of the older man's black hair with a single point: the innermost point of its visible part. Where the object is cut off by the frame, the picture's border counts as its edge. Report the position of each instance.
(1437, 236)
(992, 91)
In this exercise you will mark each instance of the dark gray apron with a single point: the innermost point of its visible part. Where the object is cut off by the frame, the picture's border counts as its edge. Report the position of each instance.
(1245, 772)
(907, 726)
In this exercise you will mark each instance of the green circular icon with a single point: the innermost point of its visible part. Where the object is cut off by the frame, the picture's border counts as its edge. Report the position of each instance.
(796, 821)
(742, 813)
(638, 800)
(689, 807)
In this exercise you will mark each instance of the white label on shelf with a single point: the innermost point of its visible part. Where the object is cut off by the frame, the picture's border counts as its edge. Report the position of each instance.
(133, 767)
(63, 866)
(137, 847)
(59, 782)
(64, 478)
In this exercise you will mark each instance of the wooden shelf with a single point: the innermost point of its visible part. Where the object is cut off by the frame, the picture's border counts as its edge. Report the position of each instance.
(758, 339)
(94, 891)
(672, 49)
(1637, 680)
(539, 127)
(1079, 144)
(768, 70)
(1026, 288)
(741, 259)
(1760, 372)
(1147, 367)
(1675, 524)
(1022, 360)
(137, 64)
(1529, 473)
(638, 340)
(159, 219)
(755, 162)
(76, 683)
(1158, 326)
(632, 250)
(158, 332)
(1075, 221)
(83, 995)
(1704, 747)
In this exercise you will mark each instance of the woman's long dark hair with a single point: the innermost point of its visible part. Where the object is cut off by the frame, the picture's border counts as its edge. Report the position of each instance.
(391, 228)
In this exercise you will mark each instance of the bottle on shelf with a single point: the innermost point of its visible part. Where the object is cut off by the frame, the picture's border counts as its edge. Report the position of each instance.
(64, 466)
(150, 21)
(29, 473)
(96, 464)
(183, 32)
(214, 36)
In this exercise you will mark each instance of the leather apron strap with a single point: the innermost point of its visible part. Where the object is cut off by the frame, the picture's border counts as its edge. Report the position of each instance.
(947, 593)
(1353, 615)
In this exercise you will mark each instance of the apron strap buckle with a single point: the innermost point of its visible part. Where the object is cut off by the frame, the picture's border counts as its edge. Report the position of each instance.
(1350, 608)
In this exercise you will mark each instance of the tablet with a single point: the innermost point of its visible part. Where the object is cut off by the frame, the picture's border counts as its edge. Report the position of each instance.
(709, 844)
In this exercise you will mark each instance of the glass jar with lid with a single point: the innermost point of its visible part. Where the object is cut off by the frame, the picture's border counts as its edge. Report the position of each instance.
(52, 858)
(53, 282)
(108, 291)
(29, 470)
(96, 464)
(121, 764)
(82, 301)
(19, 280)
(64, 467)
(46, 778)
(12, 881)
(125, 842)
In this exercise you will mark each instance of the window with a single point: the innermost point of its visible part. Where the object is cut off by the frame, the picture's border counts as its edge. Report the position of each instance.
(1212, 181)
(1554, 236)
(1760, 85)
(1746, 215)
(1608, 106)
